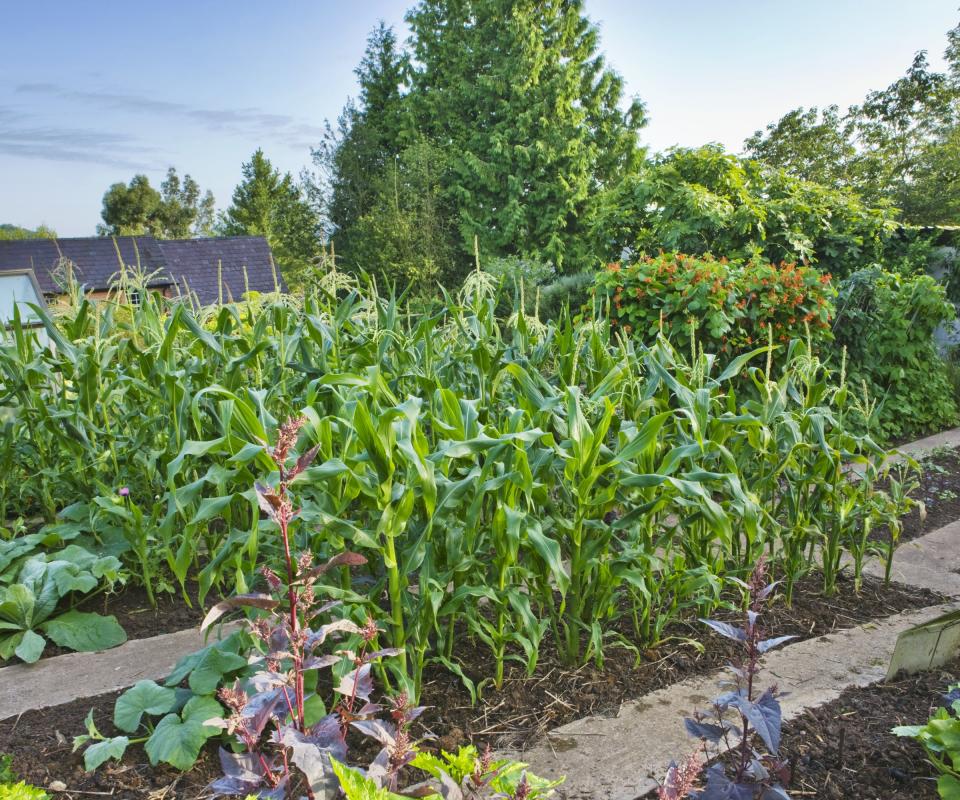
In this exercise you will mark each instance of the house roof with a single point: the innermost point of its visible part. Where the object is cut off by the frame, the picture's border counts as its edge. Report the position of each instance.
(188, 264)
(94, 259)
(193, 264)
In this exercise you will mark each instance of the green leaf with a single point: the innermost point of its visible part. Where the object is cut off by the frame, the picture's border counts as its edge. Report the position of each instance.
(146, 697)
(101, 752)
(30, 647)
(84, 631)
(948, 787)
(212, 666)
(17, 604)
(357, 786)
(232, 644)
(175, 743)
(198, 710)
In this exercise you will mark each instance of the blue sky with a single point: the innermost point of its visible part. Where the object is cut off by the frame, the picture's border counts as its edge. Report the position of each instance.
(91, 93)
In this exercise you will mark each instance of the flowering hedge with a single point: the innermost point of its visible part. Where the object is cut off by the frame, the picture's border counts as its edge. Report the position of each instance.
(729, 305)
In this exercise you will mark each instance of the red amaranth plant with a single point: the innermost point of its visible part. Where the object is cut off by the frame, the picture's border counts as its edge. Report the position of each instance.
(294, 756)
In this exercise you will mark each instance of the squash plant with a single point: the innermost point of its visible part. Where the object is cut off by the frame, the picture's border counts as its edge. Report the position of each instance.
(29, 604)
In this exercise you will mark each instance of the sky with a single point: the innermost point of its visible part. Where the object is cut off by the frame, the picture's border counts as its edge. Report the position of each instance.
(92, 93)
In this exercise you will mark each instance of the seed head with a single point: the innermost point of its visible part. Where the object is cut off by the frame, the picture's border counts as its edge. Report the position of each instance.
(273, 580)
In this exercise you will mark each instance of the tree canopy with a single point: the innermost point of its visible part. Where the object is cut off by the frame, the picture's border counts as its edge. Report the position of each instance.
(10, 232)
(901, 145)
(176, 211)
(502, 122)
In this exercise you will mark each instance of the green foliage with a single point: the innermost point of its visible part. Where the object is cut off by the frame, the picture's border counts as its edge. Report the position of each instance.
(900, 146)
(727, 308)
(22, 791)
(706, 201)
(12, 789)
(501, 123)
(270, 204)
(180, 733)
(506, 481)
(808, 143)
(32, 586)
(355, 162)
(940, 737)
(530, 116)
(501, 776)
(886, 323)
(14, 232)
(405, 236)
(176, 211)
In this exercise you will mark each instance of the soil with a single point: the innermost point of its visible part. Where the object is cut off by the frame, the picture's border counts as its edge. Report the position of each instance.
(940, 493)
(528, 706)
(845, 749)
(40, 741)
(132, 609)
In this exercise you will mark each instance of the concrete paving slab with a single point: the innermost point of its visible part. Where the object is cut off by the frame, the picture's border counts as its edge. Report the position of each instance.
(621, 757)
(950, 438)
(931, 561)
(61, 679)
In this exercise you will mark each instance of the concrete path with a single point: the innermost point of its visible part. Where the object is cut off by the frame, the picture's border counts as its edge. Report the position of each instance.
(931, 561)
(52, 681)
(950, 438)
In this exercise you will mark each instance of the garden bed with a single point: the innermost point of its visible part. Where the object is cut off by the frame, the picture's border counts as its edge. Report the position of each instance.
(527, 707)
(845, 749)
(40, 741)
(939, 491)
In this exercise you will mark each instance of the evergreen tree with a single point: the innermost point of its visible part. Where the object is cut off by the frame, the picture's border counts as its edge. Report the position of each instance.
(270, 204)
(516, 94)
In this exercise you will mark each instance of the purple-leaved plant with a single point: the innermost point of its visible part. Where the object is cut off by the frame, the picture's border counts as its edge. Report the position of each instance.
(283, 754)
(753, 774)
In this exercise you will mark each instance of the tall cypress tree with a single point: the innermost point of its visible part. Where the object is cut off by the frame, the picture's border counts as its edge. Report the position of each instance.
(531, 118)
(352, 160)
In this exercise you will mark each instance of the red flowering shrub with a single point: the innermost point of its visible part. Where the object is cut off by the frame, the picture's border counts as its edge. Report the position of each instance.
(729, 305)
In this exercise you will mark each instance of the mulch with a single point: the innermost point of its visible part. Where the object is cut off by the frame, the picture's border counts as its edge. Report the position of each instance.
(525, 707)
(940, 493)
(844, 749)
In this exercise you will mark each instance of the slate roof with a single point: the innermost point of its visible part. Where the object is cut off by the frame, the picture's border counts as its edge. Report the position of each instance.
(193, 263)
(179, 263)
(94, 258)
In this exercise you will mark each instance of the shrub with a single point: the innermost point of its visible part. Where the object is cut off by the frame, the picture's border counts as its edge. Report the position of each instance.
(886, 322)
(704, 200)
(731, 307)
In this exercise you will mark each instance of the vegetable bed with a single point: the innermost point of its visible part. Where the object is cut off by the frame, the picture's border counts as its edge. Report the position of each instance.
(40, 741)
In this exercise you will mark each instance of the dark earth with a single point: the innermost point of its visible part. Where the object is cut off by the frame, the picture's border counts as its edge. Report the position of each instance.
(40, 741)
(131, 606)
(845, 750)
(940, 493)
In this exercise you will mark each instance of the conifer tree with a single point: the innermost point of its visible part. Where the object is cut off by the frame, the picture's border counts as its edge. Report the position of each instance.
(270, 204)
(517, 94)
